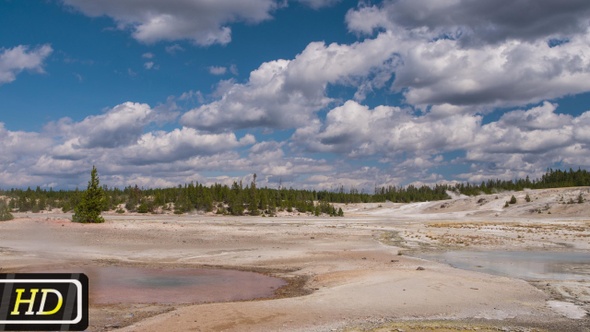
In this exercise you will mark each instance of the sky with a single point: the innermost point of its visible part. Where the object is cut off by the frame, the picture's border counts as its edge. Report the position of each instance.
(310, 94)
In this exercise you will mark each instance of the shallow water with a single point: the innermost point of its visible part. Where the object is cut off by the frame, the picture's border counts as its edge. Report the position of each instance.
(528, 265)
(124, 284)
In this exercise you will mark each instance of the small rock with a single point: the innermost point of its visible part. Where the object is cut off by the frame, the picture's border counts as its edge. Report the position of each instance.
(420, 268)
(364, 258)
(394, 260)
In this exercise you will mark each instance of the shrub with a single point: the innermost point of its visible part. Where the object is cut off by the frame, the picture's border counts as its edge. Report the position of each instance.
(512, 200)
(143, 208)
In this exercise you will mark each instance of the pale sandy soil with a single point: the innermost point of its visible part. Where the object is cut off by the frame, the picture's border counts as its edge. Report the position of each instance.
(360, 272)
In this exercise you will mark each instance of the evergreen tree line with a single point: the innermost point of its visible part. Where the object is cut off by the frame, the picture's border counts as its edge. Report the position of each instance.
(551, 179)
(238, 199)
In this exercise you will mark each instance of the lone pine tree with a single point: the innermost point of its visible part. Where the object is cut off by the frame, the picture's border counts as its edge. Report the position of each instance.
(92, 202)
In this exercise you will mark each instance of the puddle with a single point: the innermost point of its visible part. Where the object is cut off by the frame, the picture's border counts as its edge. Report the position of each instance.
(528, 265)
(123, 284)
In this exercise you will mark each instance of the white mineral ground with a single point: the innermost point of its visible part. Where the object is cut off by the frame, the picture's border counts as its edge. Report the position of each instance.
(360, 272)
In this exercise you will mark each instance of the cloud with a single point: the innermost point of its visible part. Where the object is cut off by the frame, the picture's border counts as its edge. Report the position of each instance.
(520, 143)
(16, 145)
(122, 125)
(267, 152)
(482, 53)
(442, 75)
(234, 70)
(360, 178)
(173, 49)
(121, 142)
(509, 74)
(396, 145)
(452, 62)
(262, 102)
(164, 147)
(317, 4)
(526, 142)
(19, 58)
(473, 21)
(215, 70)
(192, 95)
(200, 21)
(581, 128)
(287, 93)
(540, 117)
(524, 132)
(355, 130)
(149, 64)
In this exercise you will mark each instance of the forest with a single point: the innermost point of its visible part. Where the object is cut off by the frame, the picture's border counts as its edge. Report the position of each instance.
(238, 199)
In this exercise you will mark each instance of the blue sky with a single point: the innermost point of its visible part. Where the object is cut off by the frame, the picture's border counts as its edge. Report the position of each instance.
(309, 93)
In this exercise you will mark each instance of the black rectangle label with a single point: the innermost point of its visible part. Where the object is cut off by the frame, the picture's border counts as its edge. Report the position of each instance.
(43, 301)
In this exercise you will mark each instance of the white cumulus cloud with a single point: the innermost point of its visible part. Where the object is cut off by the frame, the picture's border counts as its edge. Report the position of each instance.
(164, 147)
(201, 21)
(15, 60)
(356, 130)
(288, 93)
(122, 125)
(483, 53)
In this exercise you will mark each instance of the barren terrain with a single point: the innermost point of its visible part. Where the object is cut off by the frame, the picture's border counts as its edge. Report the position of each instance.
(370, 270)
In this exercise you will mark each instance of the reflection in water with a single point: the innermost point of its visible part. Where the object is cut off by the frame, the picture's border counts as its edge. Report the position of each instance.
(520, 264)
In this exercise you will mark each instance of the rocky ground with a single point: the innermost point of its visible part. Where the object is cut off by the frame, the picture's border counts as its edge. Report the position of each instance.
(357, 273)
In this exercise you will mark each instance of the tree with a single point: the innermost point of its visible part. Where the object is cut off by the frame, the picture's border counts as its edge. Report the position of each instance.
(92, 203)
(236, 203)
(5, 211)
(253, 199)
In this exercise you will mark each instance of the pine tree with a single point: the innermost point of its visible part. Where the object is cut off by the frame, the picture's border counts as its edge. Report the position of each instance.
(253, 199)
(207, 201)
(236, 203)
(92, 203)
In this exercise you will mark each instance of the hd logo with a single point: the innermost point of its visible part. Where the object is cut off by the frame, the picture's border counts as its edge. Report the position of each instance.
(43, 302)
